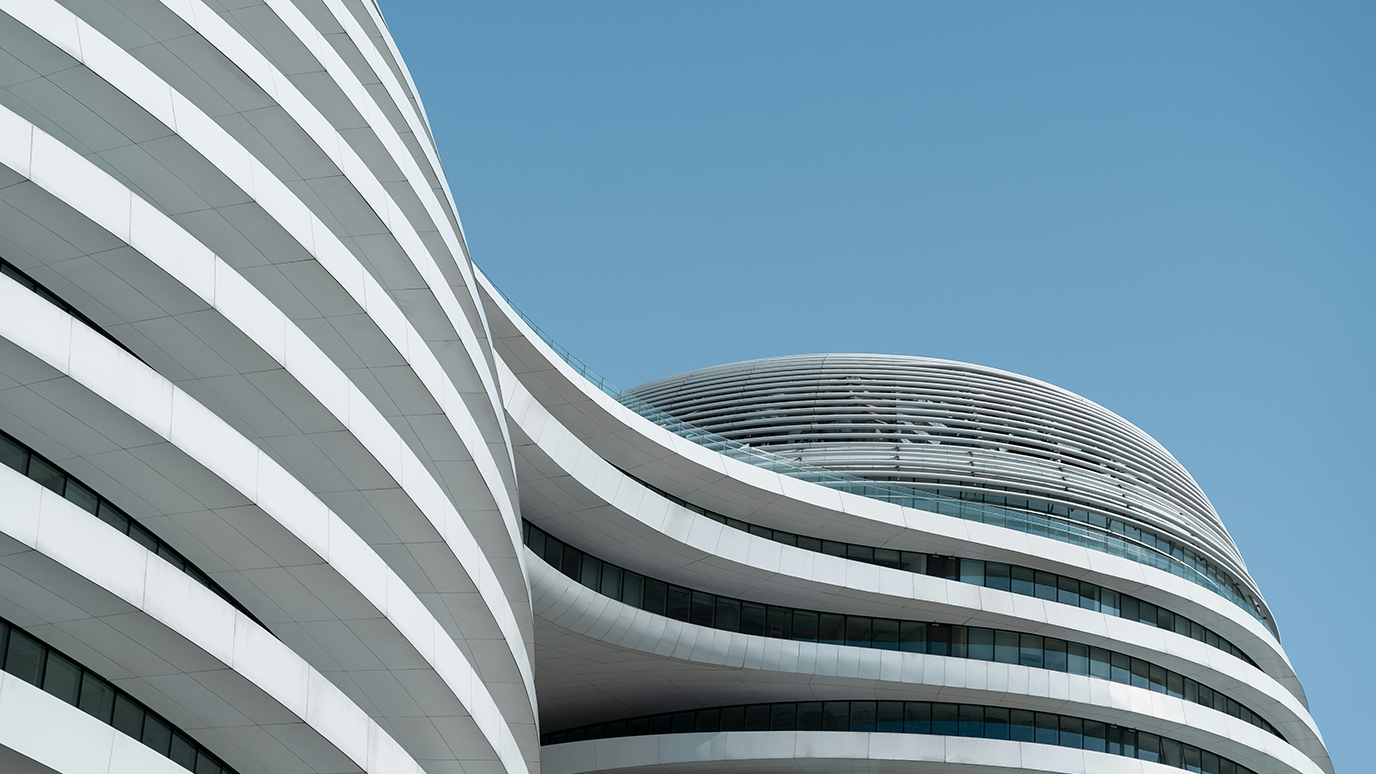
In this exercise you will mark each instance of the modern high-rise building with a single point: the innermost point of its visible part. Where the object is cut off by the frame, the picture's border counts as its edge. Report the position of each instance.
(289, 488)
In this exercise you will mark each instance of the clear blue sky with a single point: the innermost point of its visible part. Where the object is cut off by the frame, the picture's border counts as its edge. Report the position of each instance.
(1170, 210)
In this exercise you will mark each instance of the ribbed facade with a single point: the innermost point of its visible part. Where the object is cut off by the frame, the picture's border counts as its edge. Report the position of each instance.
(238, 317)
(961, 430)
(286, 486)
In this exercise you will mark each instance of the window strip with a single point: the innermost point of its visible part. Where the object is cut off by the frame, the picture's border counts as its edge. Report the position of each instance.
(932, 638)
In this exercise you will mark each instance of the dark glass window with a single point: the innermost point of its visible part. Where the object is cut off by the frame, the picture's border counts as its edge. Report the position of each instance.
(1056, 656)
(804, 626)
(831, 629)
(1022, 725)
(728, 614)
(45, 474)
(1077, 658)
(207, 765)
(858, 631)
(1096, 738)
(554, 554)
(752, 619)
(1192, 762)
(1099, 664)
(182, 751)
(779, 622)
(1031, 651)
(97, 697)
(678, 604)
(1157, 676)
(1006, 650)
(1108, 602)
(535, 539)
(945, 719)
(959, 642)
(1148, 747)
(82, 497)
(890, 717)
(972, 571)
(836, 716)
(1023, 581)
(655, 593)
(913, 562)
(1046, 585)
(1146, 612)
(810, 716)
(573, 562)
(860, 554)
(1072, 733)
(995, 723)
(611, 581)
(632, 588)
(1089, 596)
(996, 576)
(917, 717)
(733, 719)
(1121, 668)
(13, 455)
(863, 715)
(24, 658)
(884, 632)
(1068, 591)
(62, 678)
(1048, 728)
(1141, 674)
(981, 643)
(757, 717)
(1130, 608)
(971, 720)
(939, 640)
(127, 717)
(912, 637)
(704, 609)
(782, 717)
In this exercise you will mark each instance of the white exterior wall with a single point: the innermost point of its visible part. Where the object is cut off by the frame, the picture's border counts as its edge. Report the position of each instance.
(331, 414)
(581, 456)
(246, 196)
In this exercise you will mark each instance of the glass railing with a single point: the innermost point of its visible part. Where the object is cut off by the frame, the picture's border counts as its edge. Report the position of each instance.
(1047, 525)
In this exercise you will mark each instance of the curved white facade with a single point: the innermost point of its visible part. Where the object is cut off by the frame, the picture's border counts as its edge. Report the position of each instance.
(286, 486)
(964, 430)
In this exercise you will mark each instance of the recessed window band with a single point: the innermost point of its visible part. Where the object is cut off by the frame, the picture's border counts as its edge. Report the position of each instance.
(39, 664)
(915, 717)
(996, 575)
(28, 462)
(938, 639)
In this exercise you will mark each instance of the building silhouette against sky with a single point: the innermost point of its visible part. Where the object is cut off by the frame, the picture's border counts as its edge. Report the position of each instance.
(288, 486)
